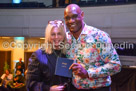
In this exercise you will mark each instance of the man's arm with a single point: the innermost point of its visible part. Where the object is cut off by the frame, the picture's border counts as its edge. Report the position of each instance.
(110, 59)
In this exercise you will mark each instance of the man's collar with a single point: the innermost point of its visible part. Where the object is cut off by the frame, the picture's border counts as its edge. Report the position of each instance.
(69, 33)
(84, 30)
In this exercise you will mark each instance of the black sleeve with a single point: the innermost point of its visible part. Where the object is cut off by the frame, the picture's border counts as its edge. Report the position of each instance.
(23, 67)
(34, 75)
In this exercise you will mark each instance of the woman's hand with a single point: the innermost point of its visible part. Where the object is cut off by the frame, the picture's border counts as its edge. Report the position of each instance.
(56, 88)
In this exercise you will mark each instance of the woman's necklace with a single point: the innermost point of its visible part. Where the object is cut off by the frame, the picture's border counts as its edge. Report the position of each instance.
(57, 53)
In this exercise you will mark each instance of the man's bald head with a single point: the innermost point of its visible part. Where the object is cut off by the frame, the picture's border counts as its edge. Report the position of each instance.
(72, 7)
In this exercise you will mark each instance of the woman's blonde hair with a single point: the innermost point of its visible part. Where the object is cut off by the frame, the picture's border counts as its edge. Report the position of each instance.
(52, 24)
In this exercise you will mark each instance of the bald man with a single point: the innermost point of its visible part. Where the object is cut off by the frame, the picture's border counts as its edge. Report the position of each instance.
(95, 57)
(20, 66)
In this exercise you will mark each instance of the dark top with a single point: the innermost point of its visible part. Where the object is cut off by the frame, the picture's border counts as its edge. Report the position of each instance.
(41, 69)
(22, 66)
(20, 79)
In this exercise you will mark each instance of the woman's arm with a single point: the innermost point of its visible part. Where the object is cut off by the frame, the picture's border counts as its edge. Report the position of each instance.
(34, 75)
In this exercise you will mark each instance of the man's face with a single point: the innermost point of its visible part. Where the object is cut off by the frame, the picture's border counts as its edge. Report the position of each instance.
(20, 60)
(73, 19)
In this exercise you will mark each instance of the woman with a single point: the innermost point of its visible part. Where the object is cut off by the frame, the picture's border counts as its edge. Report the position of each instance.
(41, 69)
(6, 78)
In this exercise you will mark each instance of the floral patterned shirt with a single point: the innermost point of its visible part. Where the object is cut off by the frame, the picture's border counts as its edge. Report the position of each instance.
(95, 52)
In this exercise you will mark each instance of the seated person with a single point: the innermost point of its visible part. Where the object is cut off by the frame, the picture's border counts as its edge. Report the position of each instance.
(18, 80)
(6, 78)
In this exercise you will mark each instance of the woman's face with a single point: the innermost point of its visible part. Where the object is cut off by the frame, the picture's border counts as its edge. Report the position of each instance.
(56, 37)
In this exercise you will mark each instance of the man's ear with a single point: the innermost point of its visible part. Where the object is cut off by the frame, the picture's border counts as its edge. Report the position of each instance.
(82, 14)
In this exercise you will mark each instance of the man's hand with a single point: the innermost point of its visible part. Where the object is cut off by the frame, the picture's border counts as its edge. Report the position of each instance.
(56, 88)
(79, 70)
(19, 67)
